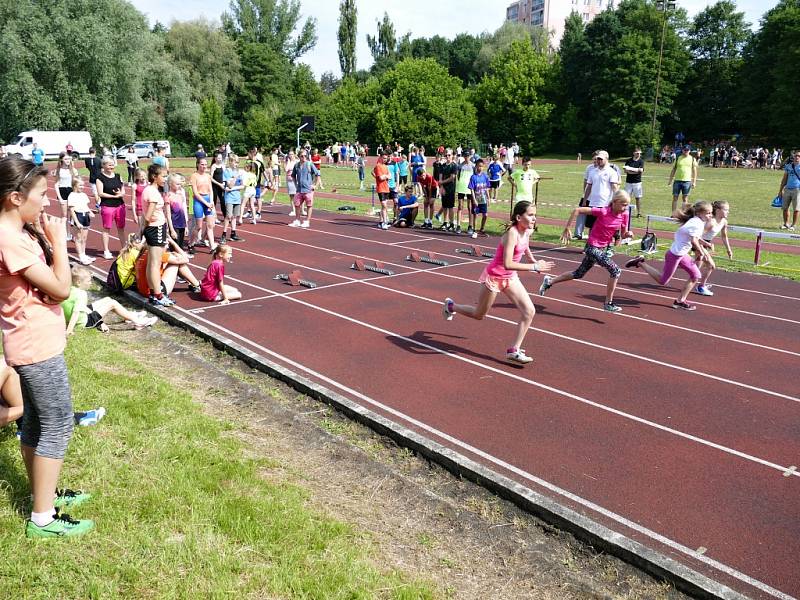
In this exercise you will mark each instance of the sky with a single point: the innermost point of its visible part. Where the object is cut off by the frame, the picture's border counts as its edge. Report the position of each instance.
(422, 18)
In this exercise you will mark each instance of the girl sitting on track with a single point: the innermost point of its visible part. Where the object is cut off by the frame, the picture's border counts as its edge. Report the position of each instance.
(608, 221)
(687, 237)
(717, 224)
(212, 287)
(500, 275)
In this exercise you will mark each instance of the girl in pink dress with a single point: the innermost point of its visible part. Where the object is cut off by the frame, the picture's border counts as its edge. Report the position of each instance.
(500, 275)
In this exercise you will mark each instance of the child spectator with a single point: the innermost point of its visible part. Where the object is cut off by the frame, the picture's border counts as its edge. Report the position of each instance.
(500, 275)
(81, 216)
(137, 189)
(249, 181)
(430, 188)
(687, 237)
(408, 208)
(34, 278)
(233, 199)
(177, 215)
(155, 234)
(78, 311)
(496, 172)
(212, 287)
(479, 201)
(608, 221)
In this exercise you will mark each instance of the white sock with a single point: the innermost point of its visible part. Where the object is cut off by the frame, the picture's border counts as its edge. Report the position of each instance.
(43, 518)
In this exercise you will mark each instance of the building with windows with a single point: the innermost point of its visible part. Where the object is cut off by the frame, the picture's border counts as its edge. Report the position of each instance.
(550, 14)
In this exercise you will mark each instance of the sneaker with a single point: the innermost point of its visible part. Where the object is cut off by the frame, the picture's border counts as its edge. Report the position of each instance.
(546, 285)
(247, 215)
(70, 498)
(518, 356)
(785, 226)
(634, 262)
(223, 239)
(107, 255)
(163, 302)
(60, 526)
(577, 237)
(458, 229)
(180, 279)
(87, 260)
(236, 238)
(385, 226)
(438, 218)
(683, 305)
(475, 235)
(194, 288)
(90, 417)
(470, 230)
(791, 227)
(611, 307)
(703, 291)
(305, 224)
(255, 222)
(447, 309)
(294, 223)
(146, 322)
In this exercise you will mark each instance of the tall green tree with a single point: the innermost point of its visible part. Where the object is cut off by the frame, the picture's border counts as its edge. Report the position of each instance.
(510, 99)
(211, 129)
(770, 84)
(271, 23)
(348, 29)
(464, 51)
(384, 44)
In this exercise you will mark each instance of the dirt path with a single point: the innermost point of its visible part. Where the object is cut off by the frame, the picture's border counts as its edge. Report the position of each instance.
(419, 518)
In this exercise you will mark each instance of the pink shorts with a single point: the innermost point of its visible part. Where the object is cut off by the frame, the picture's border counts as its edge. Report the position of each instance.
(497, 284)
(307, 197)
(112, 215)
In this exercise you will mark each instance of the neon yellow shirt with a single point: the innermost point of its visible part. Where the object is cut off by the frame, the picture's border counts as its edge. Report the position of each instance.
(683, 168)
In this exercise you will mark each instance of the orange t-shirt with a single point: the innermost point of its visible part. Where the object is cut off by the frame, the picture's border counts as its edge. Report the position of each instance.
(33, 331)
(380, 171)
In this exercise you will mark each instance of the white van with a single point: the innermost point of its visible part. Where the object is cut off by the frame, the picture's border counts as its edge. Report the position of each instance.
(52, 142)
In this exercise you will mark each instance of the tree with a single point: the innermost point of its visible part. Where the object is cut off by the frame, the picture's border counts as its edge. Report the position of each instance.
(384, 45)
(500, 40)
(510, 100)
(464, 51)
(421, 102)
(271, 23)
(769, 83)
(211, 130)
(328, 82)
(207, 56)
(348, 28)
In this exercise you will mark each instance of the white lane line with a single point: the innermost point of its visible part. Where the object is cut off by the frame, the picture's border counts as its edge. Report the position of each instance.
(702, 557)
(457, 277)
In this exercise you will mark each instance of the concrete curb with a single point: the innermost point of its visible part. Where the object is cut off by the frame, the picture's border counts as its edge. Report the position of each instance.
(600, 537)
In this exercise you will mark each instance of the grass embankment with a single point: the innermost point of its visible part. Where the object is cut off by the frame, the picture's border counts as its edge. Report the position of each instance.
(180, 512)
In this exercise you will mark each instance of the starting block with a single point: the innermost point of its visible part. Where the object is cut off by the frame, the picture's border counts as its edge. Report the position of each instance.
(426, 258)
(360, 265)
(475, 251)
(295, 278)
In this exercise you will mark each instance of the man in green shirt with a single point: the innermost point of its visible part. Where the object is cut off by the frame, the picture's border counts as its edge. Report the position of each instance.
(683, 177)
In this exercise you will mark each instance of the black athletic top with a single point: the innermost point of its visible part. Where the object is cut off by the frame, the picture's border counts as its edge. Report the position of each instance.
(110, 185)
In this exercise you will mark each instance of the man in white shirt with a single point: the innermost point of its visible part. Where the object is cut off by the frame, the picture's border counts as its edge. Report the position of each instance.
(601, 182)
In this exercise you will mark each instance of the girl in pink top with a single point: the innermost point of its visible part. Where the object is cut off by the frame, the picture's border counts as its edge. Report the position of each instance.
(212, 287)
(137, 189)
(608, 221)
(34, 278)
(500, 275)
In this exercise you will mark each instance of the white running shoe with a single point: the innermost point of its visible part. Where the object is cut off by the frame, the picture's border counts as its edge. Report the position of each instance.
(294, 223)
(107, 255)
(305, 224)
(519, 356)
(447, 309)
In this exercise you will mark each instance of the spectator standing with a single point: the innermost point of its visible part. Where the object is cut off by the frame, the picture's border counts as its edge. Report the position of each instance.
(92, 164)
(634, 167)
(789, 191)
(132, 160)
(601, 185)
(683, 177)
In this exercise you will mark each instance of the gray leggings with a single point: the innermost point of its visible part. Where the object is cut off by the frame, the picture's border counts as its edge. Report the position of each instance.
(47, 421)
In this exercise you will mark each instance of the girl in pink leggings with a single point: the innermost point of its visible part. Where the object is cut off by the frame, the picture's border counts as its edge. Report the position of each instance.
(687, 238)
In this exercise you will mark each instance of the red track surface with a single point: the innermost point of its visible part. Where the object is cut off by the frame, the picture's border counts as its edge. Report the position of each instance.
(678, 430)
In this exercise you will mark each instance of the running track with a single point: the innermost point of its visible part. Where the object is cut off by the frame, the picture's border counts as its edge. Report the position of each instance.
(680, 431)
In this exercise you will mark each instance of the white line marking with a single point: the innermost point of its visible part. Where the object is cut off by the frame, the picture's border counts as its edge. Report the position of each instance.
(511, 468)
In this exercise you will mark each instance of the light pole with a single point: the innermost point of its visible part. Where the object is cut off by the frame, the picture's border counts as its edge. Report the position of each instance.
(664, 6)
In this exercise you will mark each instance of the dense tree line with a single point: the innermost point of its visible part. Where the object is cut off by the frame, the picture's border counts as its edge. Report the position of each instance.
(95, 64)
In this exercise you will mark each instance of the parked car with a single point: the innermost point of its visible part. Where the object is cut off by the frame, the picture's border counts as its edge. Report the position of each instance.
(52, 142)
(142, 149)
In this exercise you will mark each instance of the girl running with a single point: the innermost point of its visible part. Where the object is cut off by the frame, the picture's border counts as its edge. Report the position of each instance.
(717, 224)
(138, 187)
(608, 221)
(34, 278)
(500, 275)
(81, 216)
(212, 287)
(687, 238)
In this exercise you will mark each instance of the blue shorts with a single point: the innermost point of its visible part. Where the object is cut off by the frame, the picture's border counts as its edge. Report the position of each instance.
(200, 210)
(480, 209)
(681, 187)
(258, 192)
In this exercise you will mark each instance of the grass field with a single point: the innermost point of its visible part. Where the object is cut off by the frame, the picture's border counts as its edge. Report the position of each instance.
(180, 511)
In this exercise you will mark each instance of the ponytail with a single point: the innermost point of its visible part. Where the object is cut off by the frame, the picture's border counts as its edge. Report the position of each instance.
(684, 214)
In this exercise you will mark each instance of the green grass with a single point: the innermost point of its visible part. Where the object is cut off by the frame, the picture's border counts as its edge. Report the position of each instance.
(179, 512)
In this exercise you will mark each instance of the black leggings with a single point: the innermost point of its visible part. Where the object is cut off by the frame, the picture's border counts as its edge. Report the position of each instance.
(132, 173)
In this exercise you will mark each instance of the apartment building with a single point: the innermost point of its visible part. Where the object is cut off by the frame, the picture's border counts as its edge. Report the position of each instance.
(550, 14)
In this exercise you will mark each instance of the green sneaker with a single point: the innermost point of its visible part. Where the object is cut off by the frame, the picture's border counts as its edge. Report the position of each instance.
(61, 526)
(67, 498)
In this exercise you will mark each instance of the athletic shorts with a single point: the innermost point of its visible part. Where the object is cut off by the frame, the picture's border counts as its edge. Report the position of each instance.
(494, 184)
(634, 189)
(113, 215)
(383, 196)
(448, 199)
(83, 219)
(480, 209)
(63, 194)
(789, 198)
(392, 195)
(307, 197)
(233, 210)
(258, 192)
(200, 210)
(155, 235)
(466, 196)
(497, 284)
(93, 319)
